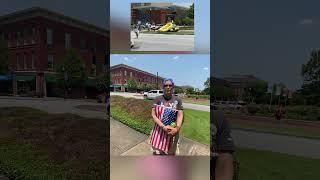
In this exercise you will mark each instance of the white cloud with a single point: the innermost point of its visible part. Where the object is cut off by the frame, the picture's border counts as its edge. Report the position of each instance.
(176, 57)
(206, 68)
(306, 21)
(127, 59)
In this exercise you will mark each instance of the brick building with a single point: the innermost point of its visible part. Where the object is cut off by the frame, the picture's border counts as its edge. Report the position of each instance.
(239, 83)
(157, 13)
(38, 39)
(121, 73)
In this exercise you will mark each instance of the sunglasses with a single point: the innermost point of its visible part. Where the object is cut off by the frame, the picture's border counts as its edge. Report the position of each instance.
(169, 85)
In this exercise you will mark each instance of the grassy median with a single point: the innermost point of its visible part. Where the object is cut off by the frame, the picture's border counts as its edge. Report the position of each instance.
(38, 145)
(266, 165)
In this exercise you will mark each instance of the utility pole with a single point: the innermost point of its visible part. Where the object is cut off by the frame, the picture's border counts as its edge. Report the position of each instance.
(157, 81)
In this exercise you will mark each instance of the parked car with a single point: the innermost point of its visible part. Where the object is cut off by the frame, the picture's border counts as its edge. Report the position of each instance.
(226, 105)
(152, 94)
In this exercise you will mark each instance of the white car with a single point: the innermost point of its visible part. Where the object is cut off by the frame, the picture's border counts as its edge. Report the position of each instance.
(153, 94)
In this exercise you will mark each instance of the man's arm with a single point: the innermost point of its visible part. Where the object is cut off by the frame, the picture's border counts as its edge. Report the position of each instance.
(224, 166)
(157, 120)
(225, 148)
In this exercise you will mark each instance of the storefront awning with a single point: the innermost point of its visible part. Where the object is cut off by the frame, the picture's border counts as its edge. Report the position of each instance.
(5, 78)
(25, 77)
(91, 82)
(51, 78)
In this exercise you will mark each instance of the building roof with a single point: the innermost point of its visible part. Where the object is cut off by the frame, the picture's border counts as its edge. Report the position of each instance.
(160, 6)
(132, 68)
(42, 12)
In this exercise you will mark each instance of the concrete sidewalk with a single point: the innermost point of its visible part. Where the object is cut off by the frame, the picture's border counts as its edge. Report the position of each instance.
(128, 142)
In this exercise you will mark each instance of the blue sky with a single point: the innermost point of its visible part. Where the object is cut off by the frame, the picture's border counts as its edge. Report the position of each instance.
(269, 39)
(192, 69)
(93, 12)
(120, 12)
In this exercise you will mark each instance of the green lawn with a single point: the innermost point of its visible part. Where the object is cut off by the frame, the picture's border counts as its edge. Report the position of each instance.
(197, 125)
(265, 165)
(38, 145)
(199, 101)
(279, 129)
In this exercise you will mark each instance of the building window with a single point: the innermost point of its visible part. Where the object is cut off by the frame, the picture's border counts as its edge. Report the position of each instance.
(25, 61)
(33, 36)
(125, 73)
(125, 81)
(32, 61)
(18, 63)
(93, 70)
(83, 44)
(18, 38)
(93, 45)
(130, 74)
(67, 40)
(49, 36)
(50, 61)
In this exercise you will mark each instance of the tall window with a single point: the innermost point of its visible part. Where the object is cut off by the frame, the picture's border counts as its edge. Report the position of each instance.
(130, 74)
(49, 36)
(18, 62)
(18, 38)
(83, 44)
(32, 61)
(125, 73)
(24, 61)
(33, 35)
(50, 61)
(67, 40)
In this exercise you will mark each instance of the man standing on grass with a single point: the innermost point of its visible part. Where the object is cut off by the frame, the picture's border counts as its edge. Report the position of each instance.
(167, 114)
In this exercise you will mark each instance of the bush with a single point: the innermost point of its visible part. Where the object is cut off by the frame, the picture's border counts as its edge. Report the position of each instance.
(198, 96)
(253, 109)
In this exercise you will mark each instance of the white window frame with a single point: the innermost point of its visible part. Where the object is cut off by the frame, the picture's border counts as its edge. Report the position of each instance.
(49, 36)
(50, 56)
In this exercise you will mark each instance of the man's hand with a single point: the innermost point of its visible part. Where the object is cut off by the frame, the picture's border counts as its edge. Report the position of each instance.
(173, 131)
(167, 128)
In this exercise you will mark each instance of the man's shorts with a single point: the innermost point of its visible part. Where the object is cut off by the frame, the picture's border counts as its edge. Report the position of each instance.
(174, 150)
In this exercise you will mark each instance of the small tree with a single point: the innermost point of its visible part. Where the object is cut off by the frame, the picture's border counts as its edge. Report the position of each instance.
(103, 82)
(132, 85)
(191, 11)
(71, 71)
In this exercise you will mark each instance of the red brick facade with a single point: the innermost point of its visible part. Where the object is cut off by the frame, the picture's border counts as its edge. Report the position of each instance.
(121, 73)
(31, 52)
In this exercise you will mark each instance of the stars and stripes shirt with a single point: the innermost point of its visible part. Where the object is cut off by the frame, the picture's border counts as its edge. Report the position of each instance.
(159, 138)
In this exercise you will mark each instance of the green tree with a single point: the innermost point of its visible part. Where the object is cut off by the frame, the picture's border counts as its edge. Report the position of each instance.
(71, 70)
(190, 90)
(311, 76)
(191, 11)
(221, 92)
(188, 21)
(256, 90)
(132, 85)
(103, 82)
(4, 57)
(207, 86)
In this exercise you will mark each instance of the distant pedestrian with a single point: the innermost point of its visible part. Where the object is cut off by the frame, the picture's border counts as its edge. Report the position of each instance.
(279, 112)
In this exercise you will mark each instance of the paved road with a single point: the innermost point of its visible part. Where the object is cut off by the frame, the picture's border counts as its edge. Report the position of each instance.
(277, 143)
(163, 42)
(185, 105)
(53, 105)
